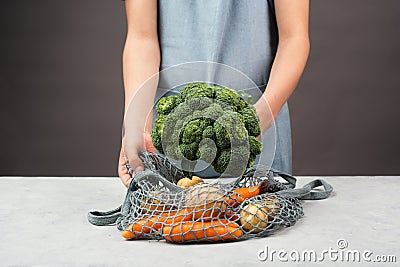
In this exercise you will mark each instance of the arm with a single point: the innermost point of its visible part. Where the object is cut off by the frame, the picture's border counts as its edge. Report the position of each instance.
(290, 60)
(141, 56)
(141, 60)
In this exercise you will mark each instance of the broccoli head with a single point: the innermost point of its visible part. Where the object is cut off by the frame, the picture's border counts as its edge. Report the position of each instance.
(211, 123)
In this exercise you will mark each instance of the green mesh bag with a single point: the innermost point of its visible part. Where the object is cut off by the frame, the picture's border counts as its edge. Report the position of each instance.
(254, 205)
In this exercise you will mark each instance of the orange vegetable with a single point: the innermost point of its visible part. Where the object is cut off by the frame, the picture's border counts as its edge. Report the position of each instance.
(137, 229)
(154, 223)
(229, 215)
(240, 194)
(215, 230)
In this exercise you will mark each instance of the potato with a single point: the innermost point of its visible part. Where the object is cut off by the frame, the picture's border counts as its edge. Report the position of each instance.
(186, 182)
(155, 201)
(271, 206)
(253, 218)
(205, 200)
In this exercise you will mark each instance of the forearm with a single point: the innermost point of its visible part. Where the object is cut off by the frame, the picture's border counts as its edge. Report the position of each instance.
(288, 66)
(141, 61)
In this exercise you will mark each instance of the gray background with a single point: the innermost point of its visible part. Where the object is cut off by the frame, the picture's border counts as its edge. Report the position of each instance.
(61, 89)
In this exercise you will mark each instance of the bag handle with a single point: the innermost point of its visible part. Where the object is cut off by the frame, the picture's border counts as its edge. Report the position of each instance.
(262, 170)
(306, 193)
(102, 218)
(290, 179)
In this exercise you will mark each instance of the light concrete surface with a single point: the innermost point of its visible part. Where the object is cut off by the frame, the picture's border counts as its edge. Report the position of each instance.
(43, 223)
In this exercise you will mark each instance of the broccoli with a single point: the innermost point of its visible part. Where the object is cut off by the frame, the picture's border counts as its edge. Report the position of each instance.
(209, 133)
(251, 120)
(207, 150)
(230, 97)
(192, 132)
(230, 129)
(166, 104)
(246, 96)
(231, 161)
(211, 123)
(195, 90)
(156, 139)
(255, 146)
(189, 151)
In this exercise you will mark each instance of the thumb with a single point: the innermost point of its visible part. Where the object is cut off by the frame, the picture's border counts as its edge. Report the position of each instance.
(135, 162)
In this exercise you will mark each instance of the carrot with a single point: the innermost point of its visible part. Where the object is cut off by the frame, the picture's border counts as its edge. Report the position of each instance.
(154, 223)
(229, 215)
(215, 230)
(137, 229)
(240, 194)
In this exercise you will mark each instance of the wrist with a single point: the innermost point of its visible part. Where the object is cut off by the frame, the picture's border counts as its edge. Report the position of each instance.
(273, 104)
(264, 113)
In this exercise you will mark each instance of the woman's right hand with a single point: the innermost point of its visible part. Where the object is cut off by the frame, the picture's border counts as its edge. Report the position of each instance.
(130, 154)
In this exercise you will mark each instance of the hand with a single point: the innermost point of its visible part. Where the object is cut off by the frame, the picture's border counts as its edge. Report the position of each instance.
(140, 143)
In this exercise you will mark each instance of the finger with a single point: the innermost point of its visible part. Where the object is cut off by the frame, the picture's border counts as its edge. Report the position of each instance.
(123, 171)
(136, 163)
(124, 175)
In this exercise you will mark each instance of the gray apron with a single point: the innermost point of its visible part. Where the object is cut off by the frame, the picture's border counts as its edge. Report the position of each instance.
(238, 33)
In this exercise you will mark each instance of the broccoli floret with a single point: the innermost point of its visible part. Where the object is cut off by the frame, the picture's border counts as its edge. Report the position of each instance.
(196, 89)
(251, 121)
(166, 104)
(222, 137)
(189, 151)
(252, 159)
(193, 131)
(172, 151)
(209, 133)
(213, 111)
(230, 97)
(232, 161)
(255, 145)
(204, 91)
(183, 110)
(229, 129)
(156, 139)
(199, 103)
(159, 125)
(207, 151)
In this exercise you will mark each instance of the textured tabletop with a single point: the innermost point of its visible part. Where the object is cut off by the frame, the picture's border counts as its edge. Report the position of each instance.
(43, 223)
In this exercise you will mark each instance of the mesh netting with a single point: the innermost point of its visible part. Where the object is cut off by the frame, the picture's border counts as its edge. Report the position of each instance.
(157, 208)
